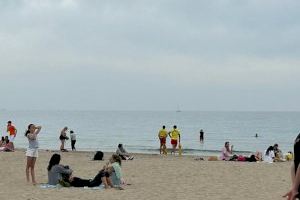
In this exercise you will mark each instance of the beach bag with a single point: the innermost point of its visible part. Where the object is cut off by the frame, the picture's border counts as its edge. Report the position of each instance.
(98, 155)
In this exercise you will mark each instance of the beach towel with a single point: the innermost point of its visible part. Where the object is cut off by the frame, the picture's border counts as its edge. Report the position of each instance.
(47, 186)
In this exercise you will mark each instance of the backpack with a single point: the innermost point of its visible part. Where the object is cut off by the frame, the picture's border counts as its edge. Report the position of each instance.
(98, 155)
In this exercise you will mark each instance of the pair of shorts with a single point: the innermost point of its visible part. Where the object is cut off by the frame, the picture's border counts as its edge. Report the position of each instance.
(32, 153)
(174, 142)
(162, 140)
(12, 138)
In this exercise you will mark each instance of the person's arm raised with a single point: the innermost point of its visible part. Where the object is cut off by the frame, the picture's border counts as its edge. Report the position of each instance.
(38, 129)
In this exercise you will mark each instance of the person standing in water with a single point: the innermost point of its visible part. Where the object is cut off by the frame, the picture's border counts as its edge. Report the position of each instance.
(162, 135)
(201, 136)
(175, 138)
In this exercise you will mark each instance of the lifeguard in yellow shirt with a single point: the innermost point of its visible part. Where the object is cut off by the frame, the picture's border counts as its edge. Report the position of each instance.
(175, 138)
(162, 135)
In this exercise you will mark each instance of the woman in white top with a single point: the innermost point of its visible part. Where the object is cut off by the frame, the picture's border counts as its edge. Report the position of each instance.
(32, 150)
(269, 155)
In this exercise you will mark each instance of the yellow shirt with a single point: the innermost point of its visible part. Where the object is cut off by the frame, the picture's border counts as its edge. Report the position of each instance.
(163, 133)
(175, 134)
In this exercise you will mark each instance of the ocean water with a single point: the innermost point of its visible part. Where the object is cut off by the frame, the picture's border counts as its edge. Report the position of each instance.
(137, 130)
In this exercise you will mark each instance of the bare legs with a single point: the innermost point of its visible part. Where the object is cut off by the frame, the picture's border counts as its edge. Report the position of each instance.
(62, 146)
(173, 148)
(30, 168)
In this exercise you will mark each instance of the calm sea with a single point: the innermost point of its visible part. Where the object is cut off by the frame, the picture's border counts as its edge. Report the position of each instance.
(137, 130)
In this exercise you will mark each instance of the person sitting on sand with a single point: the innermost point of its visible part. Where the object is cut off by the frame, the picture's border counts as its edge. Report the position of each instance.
(62, 174)
(278, 153)
(295, 173)
(7, 146)
(123, 153)
(269, 155)
(226, 153)
(2, 141)
(162, 135)
(63, 137)
(56, 171)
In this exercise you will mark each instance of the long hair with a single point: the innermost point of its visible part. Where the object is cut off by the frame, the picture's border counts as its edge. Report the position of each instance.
(117, 158)
(28, 129)
(227, 147)
(54, 160)
(271, 148)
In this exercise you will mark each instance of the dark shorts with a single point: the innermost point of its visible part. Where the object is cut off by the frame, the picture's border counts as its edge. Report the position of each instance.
(162, 140)
(174, 142)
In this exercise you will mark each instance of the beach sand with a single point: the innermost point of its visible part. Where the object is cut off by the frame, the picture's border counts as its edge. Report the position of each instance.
(152, 177)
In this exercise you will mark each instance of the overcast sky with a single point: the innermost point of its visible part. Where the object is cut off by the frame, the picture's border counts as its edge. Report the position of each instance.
(150, 55)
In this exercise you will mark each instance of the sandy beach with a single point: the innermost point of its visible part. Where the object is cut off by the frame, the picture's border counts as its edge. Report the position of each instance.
(152, 177)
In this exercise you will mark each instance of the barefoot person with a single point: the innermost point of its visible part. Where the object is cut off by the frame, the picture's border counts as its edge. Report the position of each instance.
(32, 150)
(295, 173)
(162, 135)
(12, 132)
(63, 137)
(73, 140)
(175, 138)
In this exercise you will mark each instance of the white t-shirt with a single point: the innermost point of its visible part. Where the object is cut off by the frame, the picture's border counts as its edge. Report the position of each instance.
(73, 136)
(269, 158)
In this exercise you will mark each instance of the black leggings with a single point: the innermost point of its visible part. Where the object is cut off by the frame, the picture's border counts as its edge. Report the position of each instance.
(78, 182)
(73, 144)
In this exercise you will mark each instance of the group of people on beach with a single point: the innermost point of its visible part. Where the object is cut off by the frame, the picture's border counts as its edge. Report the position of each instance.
(272, 154)
(174, 134)
(7, 140)
(110, 175)
(63, 137)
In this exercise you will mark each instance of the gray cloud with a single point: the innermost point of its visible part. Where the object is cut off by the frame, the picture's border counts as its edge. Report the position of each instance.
(227, 55)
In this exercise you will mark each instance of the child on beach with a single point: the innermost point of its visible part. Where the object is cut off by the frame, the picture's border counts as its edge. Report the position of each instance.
(73, 140)
(32, 150)
(162, 135)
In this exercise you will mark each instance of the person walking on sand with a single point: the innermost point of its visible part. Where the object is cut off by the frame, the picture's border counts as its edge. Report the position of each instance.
(162, 135)
(63, 137)
(201, 136)
(73, 140)
(175, 138)
(32, 150)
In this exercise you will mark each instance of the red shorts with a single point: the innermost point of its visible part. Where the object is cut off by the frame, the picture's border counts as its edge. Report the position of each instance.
(174, 142)
(162, 140)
